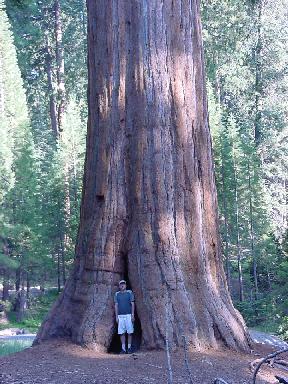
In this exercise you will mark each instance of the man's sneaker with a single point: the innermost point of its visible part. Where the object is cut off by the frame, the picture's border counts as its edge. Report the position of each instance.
(130, 350)
(122, 352)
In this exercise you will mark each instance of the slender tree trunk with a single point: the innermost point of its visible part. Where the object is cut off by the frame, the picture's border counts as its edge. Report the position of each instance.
(21, 305)
(252, 239)
(285, 213)
(61, 93)
(61, 106)
(149, 196)
(74, 172)
(62, 251)
(28, 288)
(258, 74)
(269, 283)
(2, 94)
(52, 106)
(6, 274)
(84, 18)
(225, 211)
(18, 278)
(5, 291)
(67, 207)
(58, 271)
(239, 258)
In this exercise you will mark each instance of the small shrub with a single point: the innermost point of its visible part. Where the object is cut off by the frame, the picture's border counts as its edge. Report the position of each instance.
(6, 305)
(283, 328)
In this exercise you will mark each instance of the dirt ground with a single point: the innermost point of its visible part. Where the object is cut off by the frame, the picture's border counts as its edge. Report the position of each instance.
(59, 361)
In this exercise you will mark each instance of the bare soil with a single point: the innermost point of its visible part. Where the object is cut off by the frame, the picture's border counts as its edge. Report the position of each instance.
(59, 361)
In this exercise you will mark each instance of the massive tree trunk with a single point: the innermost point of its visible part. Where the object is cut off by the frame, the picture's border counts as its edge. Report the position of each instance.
(149, 197)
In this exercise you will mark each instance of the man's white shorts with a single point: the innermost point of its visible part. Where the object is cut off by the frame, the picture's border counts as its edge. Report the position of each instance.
(125, 324)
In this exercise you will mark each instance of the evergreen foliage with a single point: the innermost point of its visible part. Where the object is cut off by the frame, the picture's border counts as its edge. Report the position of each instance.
(245, 59)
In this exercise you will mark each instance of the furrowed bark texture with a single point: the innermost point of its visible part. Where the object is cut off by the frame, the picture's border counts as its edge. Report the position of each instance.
(149, 194)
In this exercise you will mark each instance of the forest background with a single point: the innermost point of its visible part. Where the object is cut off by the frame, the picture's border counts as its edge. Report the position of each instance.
(43, 107)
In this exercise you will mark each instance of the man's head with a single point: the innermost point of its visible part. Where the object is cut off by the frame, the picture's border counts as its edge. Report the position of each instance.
(122, 285)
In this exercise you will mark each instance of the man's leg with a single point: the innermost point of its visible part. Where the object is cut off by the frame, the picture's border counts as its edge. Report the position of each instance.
(122, 337)
(121, 332)
(130, 330)
(129, 340)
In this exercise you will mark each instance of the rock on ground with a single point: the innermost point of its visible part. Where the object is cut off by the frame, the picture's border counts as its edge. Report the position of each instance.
(268, 339)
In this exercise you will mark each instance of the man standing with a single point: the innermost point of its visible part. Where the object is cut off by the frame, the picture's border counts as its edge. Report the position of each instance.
(124, 311)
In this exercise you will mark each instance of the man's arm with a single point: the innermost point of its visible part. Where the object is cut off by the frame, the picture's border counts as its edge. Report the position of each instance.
(116, 307)
(132, 305)
(132, 310)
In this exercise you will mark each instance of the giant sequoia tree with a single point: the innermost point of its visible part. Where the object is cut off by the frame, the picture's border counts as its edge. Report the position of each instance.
(149, 207)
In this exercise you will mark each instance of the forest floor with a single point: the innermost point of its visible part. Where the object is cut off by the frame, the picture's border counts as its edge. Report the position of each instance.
(58, 361)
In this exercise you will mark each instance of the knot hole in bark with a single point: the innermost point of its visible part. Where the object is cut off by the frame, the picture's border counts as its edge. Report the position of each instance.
(100, 198)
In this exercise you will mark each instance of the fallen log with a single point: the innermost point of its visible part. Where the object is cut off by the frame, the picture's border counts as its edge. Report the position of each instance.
(271, 363)
(265, 359)
(255, 362)
(282, 362)
(280, 366)
(281, 379)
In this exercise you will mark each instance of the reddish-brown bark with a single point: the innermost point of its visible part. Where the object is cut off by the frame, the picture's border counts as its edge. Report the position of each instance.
(149, 197)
